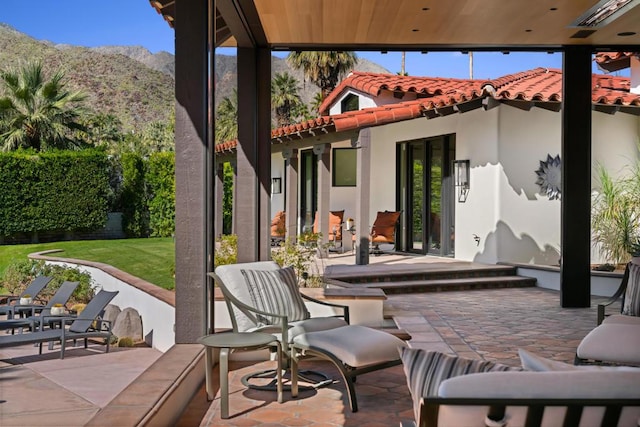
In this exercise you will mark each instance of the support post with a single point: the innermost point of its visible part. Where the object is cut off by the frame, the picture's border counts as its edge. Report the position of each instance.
(219, 199)
(575, 274)
(324, 195)
(291, 207)
(363, 196)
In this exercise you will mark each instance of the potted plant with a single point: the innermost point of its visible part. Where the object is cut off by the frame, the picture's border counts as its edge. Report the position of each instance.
(26, 299)
(634, 251)
(57, 310)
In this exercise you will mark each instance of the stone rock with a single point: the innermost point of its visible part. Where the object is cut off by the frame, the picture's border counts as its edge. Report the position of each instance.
(111, 313)
(128, 324)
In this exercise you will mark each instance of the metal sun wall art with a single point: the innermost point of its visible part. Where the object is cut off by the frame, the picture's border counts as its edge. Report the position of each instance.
(550, 177)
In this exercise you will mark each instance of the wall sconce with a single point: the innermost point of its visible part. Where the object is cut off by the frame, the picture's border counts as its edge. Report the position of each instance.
(461, 171)
(276, 185)
(319, 149)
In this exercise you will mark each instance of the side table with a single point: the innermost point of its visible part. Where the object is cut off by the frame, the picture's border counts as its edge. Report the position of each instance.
(226, 342)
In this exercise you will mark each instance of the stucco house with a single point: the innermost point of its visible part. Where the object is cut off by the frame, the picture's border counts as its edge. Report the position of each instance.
(421, 132)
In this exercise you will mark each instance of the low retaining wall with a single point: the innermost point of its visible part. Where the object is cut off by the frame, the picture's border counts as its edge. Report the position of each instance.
(603, 283)
(155, 305)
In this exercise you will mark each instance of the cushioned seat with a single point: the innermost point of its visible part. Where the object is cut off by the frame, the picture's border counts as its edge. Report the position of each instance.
(622, 319)
(612, 342)
(354, 349)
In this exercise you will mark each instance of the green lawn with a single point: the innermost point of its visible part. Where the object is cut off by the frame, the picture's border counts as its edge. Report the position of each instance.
(150, 259)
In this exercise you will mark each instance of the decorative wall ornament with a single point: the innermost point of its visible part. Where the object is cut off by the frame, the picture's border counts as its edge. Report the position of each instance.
(550, 177)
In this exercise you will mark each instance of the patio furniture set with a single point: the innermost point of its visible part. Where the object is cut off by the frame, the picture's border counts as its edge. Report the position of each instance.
(383, 230)
(264, 299)
(39, 321)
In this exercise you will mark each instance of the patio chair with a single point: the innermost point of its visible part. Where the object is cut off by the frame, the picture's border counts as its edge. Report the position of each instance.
(87, 325)
(256, 305)
(335, 227)
(32, 290)
(263, 297)
(278, 228)
(383, 231)
(28, 313)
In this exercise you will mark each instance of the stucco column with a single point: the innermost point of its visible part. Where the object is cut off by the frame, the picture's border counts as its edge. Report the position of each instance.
(192, 170)
(291, 206)
(219, 198)
(234, 197)
(363, 196)
(575, 272)
(324, 190)
(253, 154)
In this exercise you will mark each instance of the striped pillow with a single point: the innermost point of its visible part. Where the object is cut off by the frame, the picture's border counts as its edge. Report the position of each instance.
(275, 292)
(632, 294)
(426, 370)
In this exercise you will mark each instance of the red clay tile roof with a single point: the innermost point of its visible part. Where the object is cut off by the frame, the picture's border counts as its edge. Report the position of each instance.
(373, 84)
(540, 84)
(613, 61)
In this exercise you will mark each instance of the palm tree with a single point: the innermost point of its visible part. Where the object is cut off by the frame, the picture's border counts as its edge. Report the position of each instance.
(285, 98)
(227, 118)
(38, 113)
(324, 69)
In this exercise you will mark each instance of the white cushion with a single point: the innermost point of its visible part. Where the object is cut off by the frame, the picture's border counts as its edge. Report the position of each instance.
(621, 318)
(354, 345)
(612, 342)
(533, 362)
(315, 324)
(231, 275)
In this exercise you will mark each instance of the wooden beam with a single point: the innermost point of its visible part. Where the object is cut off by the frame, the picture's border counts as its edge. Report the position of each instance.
(243, 22)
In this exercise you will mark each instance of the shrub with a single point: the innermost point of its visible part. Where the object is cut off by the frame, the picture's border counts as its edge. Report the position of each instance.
(125, 342)
(135, 215)
(160, 178)
(226, 251)
(20, 273)
(301, 258)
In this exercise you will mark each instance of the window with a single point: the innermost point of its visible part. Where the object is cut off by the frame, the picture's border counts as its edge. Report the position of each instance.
(350, 102)
(344, 167)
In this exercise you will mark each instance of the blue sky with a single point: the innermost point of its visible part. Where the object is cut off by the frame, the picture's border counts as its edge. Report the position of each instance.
(134, 22)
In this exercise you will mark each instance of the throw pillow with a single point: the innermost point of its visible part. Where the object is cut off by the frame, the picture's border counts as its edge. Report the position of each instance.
(426, 370)
(533, 362)
(632, 294)
(275, 292)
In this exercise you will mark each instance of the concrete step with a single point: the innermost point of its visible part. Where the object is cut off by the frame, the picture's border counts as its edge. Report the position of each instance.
(456, 284)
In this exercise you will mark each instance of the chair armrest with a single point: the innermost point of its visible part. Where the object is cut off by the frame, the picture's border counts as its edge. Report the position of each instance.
(615, 297)
(345, 308)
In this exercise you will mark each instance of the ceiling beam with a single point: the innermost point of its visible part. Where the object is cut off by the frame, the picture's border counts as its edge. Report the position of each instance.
(243, 21)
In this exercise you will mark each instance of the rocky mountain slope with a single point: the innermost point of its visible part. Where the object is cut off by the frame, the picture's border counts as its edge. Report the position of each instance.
(130, 82)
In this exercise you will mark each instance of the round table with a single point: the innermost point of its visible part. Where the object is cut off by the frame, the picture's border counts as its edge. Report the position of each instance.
(226, 342)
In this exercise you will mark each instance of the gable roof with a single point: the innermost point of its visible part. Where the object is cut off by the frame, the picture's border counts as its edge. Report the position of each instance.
(440, 96)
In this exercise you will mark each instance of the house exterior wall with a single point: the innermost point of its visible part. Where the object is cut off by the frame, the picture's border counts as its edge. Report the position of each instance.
(504, 206)
(367, 101)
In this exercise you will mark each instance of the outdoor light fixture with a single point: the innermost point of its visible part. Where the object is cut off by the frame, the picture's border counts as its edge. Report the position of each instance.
(461, 171)
(287, 153)
(604, 12)
(276, 185)
(319, 149)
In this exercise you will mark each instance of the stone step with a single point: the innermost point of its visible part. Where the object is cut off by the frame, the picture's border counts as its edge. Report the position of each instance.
(457, 284)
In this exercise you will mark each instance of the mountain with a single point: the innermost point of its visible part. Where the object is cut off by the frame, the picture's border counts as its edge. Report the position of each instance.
(130, 82)
(115, 84)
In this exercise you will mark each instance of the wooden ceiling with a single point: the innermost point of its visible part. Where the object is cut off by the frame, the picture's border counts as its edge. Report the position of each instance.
(412, 24)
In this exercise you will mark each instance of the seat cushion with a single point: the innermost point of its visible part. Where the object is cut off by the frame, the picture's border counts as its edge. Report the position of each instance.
(354, 345)
(235, 284)
(426, 370)
(631, 305)
(314, 324)
(621, 318)
(612, 342)
(533, 362)
(275, 292)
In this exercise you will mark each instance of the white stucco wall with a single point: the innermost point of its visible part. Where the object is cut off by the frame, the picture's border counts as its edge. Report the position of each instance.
(367, 101)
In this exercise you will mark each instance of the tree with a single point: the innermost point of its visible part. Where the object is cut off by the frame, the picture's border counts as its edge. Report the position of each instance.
(36, 112)
(324, 69)
(284, 98)
(227, 118)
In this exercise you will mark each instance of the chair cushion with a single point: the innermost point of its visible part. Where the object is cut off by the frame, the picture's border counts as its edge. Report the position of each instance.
(632, 294)
(425, 370)
(278, 224)
(353, 345)
(384, 227)
(234, 283)
(533, 362)
(621, 318)
(335, 225)
(314, 324)
(276, 292)
(612, 342)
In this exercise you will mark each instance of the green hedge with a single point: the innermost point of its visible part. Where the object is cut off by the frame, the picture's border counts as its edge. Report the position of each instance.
(161, 184)
(135, 215)
(53, 190)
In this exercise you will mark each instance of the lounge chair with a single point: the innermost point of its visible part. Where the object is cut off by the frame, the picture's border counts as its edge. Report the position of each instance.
(32, 290)
(263, 297)
(87, 325)
(335, 227)
(278, 228)
(383, 230)
(28, 312)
